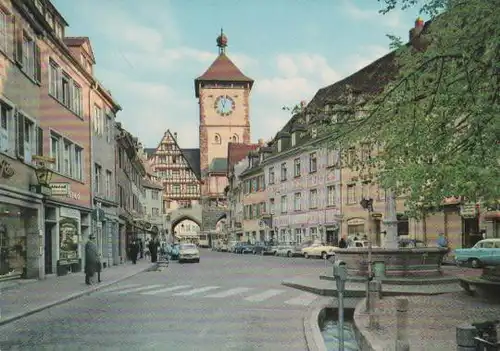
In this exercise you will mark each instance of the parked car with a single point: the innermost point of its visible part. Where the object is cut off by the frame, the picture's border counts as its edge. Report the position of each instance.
(189, 252)
(485, 252)
(244, 248)
(231, 245)
(297, 250)
(318, 249)
(173, 251)
(359, 243)
(262, 248)
(285, 250)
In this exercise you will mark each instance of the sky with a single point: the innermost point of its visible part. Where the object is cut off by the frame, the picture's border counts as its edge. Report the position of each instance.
(149, 52)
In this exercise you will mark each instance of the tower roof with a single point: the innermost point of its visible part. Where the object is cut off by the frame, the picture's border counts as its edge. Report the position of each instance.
(222, 69)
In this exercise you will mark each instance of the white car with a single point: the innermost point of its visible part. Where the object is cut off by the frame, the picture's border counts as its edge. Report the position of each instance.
(189, 252)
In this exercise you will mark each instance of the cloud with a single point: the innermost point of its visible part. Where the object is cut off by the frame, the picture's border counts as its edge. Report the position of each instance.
(391, 19)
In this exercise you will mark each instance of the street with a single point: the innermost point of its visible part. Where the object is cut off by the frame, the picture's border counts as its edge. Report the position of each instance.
(226, 302)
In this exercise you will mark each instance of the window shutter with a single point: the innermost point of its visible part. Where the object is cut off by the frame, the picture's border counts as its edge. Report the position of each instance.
(20, 135)
(38, 64)
(18, 40)
(39, 141)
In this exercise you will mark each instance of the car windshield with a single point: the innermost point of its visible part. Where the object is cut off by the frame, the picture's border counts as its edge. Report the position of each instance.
(188, 246)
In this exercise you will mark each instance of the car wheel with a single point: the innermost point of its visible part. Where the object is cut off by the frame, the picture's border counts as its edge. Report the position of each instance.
(475, 263)
(323, 255)
(289, 254)
(198, 260)
(306, 255)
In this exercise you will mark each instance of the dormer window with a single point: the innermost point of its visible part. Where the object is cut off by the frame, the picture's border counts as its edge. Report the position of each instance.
(50, 19)
(308, 117)
(294, 138)
(39, 6)
(279, 145)
(59, 30)
(327, 108)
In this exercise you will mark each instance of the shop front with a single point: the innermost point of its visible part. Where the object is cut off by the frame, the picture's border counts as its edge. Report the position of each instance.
(21, 213)
(67, 227)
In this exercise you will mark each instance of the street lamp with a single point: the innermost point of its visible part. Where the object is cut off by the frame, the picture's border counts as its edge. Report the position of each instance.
(43, 175)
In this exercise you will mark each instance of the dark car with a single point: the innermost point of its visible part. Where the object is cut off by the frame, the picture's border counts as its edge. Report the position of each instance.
(262, 248)
(244, 248)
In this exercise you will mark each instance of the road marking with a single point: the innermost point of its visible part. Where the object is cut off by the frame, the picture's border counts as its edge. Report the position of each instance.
(119, 287)
(265, 295)
(304, 299)
(147, 287)
(173, 288)
(230, 292)
(196, 291)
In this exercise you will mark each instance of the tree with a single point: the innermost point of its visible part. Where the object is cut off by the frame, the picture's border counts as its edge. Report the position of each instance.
(438, 119)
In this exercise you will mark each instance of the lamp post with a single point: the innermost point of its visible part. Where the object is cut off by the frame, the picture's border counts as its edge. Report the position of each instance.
(43, 175)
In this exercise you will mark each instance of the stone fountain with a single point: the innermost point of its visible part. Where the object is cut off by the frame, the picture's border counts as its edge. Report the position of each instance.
(391, 262)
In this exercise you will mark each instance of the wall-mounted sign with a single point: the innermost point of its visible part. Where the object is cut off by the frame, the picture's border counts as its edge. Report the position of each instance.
(355, 221)
(60, 189)
(69, 236)
(468, 210)
(6, 170)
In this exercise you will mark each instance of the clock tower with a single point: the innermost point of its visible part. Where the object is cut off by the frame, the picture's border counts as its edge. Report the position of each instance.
(223, 93)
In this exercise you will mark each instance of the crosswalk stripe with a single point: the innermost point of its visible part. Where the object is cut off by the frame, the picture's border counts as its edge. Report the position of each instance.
(265, 295)
(196, 291)
(147, 287)
(230, 292)
(159, 291)
(304, 299)
(115, 288)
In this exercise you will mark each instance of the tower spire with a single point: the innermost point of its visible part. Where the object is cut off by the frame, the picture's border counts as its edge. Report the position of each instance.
(222, 42)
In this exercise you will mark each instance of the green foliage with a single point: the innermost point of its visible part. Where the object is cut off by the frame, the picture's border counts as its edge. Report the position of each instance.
(439, 120)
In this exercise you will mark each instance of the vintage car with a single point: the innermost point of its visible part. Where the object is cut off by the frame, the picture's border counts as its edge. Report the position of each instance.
(284, 250)
(485, 252)
(318, 249)
(262, 248)
(189, 252)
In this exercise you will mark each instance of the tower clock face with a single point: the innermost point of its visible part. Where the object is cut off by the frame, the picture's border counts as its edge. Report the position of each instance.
(224, 105)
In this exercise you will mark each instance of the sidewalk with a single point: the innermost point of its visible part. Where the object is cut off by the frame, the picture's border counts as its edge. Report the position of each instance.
(431, 320)
(21, 298)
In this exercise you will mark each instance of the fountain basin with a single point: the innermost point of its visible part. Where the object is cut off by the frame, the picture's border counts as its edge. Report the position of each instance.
(391, 263)
(327, 322)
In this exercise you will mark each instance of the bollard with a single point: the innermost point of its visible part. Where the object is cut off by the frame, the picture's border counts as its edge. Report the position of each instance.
(465, 334)
(402, 342)
(373, 296)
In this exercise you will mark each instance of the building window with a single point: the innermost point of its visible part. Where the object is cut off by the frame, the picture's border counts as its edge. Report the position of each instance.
(313, 162)
(59, 30)
(313, 232)
(351, 156)
(4, 32)
(351, 194)
(331, 196)
(97, 178)
(53, 79)
(50, 19)
(279, 145)
(271, 175)
(313, 198)
(39, 6)
(97, 120)
(294, 138)
(332, 158)
(283, 171)
(298, 235)
(271, 206)
(154, 195)
(296, 167)
(297, 198)
(365, 190)
(109, 183)
(68, 157)
(65, 91)
(29, 56)
(109, 128)
(176, 189)
(284, 204)
(235, 138)
(155, 211)
(217, 139)
(77, 99)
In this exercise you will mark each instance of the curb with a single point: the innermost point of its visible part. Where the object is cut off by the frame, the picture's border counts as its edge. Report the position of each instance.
(312, 333)
(71, 297)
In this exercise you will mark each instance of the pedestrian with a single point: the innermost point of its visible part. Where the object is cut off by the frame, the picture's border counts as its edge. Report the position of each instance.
(141, 248)
(91, 259)
(442, 241)
(342, 243)
(134, 251)
(153, 249)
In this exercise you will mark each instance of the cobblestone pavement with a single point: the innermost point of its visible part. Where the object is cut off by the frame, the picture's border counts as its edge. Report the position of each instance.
(432, 320)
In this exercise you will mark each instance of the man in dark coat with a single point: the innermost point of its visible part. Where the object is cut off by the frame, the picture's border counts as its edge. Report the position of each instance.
(134, 250)
(342, 243)
(91, 259)
(153, 248)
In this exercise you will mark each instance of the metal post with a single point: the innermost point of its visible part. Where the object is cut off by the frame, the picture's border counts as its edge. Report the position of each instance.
(340, 289)
(391, 221)
(370, 275)
(402, 342)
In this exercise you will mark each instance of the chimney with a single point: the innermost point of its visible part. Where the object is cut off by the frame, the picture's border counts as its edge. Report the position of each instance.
(415, 31)
(175, 136)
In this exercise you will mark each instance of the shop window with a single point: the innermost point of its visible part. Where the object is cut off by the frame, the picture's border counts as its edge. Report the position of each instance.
(403, 225)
